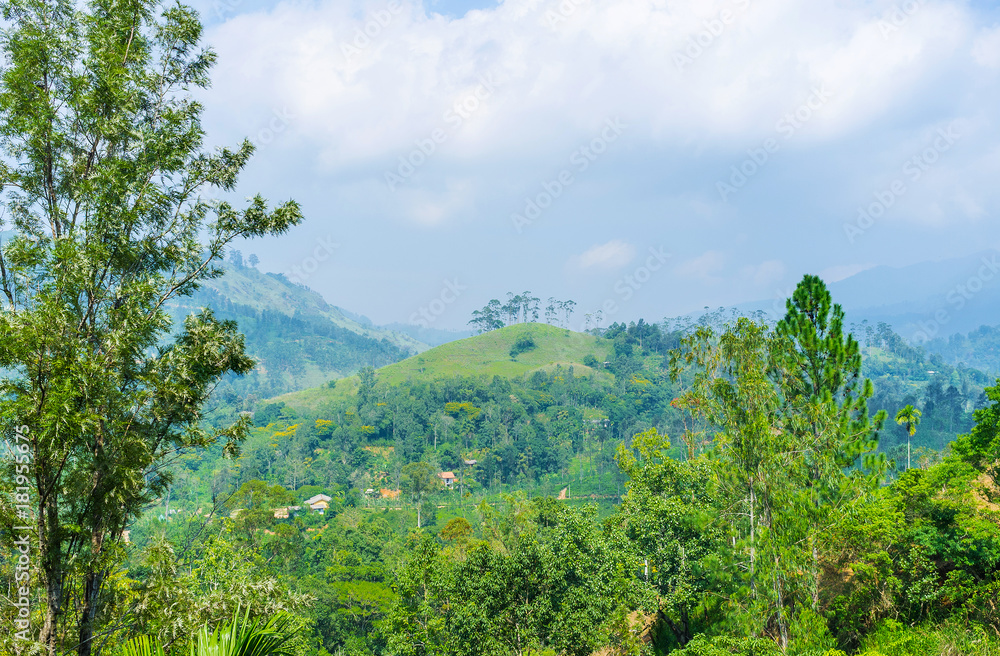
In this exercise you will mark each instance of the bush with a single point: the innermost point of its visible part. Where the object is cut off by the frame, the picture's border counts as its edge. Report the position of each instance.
(523, 344)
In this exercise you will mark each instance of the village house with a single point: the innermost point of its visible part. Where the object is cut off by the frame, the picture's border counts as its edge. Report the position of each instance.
(448, 478)
(319, 503)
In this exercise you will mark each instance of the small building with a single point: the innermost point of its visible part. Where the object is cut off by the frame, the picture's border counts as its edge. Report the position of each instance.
(448, 478)
(470, 463)
(319, 497)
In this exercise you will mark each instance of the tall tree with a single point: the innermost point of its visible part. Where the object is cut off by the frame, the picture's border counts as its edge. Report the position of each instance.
(104, 174)
(909, 418)
(826, 398)
(419, 480)
(754, 460)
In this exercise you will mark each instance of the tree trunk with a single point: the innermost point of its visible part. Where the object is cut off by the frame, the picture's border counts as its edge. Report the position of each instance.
(94, 580)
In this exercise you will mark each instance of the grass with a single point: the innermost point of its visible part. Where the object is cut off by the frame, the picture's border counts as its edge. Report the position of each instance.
(482, 355)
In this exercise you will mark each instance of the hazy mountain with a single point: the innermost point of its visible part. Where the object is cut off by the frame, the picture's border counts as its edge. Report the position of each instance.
(921, 301)
(298, 339)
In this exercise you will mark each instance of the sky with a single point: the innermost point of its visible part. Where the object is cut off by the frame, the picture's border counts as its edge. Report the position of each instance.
(645, 158)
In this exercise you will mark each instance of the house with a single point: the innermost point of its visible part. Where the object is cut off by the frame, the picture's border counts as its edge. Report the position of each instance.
(448, 478)
(470, 463)
(316, 499)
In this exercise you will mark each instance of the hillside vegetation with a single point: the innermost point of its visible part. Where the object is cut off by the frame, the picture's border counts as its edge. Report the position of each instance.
(487, 355)
(297, 339)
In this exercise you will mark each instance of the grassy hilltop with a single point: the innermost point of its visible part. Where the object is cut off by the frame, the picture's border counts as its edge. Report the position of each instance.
(482, 355)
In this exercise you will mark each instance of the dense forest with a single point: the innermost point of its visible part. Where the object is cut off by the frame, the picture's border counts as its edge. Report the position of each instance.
(635, 469)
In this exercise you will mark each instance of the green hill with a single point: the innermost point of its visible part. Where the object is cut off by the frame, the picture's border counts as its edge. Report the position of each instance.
(488, 354)
(297, 338)
(249, 289)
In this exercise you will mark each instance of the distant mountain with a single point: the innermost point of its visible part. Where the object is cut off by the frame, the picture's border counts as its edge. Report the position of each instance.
(922, 301)
(298, 339)
(432, 336)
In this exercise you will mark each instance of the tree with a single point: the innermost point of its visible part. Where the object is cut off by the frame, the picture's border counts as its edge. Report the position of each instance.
(826, 401)
(550, 310)
(567, 308)
(666, 516)
(754, 458)
(909, 418)
(105, 174)
(489, 318)
(418, 480)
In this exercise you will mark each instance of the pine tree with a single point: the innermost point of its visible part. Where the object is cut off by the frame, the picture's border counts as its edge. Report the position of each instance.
(826, 399)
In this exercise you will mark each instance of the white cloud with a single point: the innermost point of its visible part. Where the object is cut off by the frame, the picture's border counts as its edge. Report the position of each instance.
(764, 273)
(986, 48)
(707, 267)
(612, 255)
(557, 82)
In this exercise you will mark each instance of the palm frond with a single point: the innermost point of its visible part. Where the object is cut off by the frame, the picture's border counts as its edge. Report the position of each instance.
(142, 646)
(241, 637)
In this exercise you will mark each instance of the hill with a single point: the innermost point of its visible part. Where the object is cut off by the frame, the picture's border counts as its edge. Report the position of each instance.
(488, 354)
(247, 287)
(297, 338)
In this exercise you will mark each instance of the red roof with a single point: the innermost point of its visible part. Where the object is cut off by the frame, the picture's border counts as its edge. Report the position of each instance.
(446, 475)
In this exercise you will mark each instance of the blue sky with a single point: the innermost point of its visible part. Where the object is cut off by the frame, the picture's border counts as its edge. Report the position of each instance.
(647, 157)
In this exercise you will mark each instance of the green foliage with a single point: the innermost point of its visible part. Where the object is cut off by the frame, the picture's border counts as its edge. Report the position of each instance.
(240, 637)
(105, 178)
(547, 578)
(523, 344)
(702, 645)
